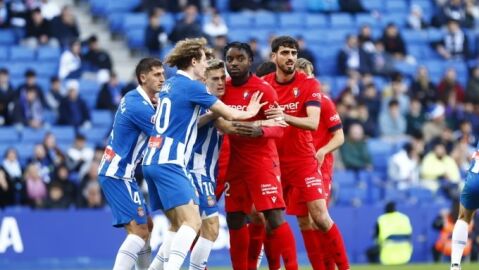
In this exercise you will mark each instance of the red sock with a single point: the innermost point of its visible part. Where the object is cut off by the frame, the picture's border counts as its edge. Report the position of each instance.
(256, 239)
(328, 257)
(280, 242)
(313, 248)
(335, 245)
(239, 242)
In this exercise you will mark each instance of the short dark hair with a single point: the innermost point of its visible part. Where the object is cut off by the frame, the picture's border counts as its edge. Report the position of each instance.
(393, 102)
(390, 207)
(30, 73)
(285, 41)
(265, 68)
(4, 71)
(240, 46)
(145, 65)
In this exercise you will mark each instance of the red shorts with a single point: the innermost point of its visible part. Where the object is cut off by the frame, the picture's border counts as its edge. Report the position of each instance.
(301, 184)
(327, 186)
(263, 191)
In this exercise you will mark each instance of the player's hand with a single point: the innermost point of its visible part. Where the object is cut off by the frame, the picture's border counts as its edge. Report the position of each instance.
(273, 123)
(320, 157)
(255, 103)
(276, 113)
(248, 129)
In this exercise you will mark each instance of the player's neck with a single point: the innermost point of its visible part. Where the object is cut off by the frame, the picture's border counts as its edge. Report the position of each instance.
(284, 78)
(150, 93)
(238, 81)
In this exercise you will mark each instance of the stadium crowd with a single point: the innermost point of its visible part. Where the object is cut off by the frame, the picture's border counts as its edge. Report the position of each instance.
(427, 122)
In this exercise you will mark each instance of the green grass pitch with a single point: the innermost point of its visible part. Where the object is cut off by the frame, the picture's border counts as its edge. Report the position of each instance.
(403, 267)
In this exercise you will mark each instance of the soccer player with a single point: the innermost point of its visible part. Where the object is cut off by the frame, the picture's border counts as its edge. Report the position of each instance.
(125, 149)
(203, 168)
(300, 101)
(253, 177)
(469, 204)
(171, 144)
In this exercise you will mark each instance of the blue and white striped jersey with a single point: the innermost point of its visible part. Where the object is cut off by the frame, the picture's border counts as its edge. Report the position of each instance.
(475, 161)
(176, 120)
(129, 136)
(204, 160)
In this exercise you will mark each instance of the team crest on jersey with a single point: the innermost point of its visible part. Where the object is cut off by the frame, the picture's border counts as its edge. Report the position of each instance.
(152, 119)
(166, 88)
(141, 212)
(273, 199)
(296, 92)
(245, 94)
(211, 201)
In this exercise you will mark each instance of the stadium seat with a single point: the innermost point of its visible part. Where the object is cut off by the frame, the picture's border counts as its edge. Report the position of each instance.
(7, 37)
(405, 68)
(48, 54)
(345, 178)
(115, 21)
(413, 37)
(435, 35)
(22, 53)
(64, 134)
(121, 6)
(102, 118)
(32, 136)
(373, 5)
(396, 6)
(240, 20)
(362, 19)
(135, 21)
(315, 21)
(291, 20)
(8, 135)
(89, 86)
(342, 21)
(380, 151)
(263, 19)
(45, 69)
(168, 21)
(3, 53)
(299, 5)
(136, 38)
(420, 195)
(323, 6)
(96, 135)
(397, 18)
(337, 36)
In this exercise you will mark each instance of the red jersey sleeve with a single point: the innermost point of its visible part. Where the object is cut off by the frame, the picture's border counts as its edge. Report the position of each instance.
(270, 96)
(331, 117)
(313, 97)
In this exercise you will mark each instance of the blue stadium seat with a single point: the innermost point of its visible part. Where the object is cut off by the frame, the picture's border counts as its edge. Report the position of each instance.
(341, 20)
(435, 34)
(396, 6)
(345, 178)
(98, 7)
(89, 86)
(337, 36)
(399, 19)
(380, 151)
(63, 134)
(7, 37)
(316, 21)
(32, 136)
(17, 68)
(363, 18)
(25, 151)
(136, 38)
(298, 5)
(115, 21)
(324, 6)
(168, 21)
(22, 53)
(240, 20)
(48, 54)
(420, 195)
(315, 37)
(135, 21)
(45, 69)
(413, 37)
(8, 135)
(393, 194)
(50, 117)
(405, 68)
(121, 6)
(239, 34)
(291, 20)
(263, 19)
(373, 4)
(102, 118)
(96, 135)
(3, 53)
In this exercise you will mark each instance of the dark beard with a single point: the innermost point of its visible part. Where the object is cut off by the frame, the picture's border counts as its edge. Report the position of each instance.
(286, 70)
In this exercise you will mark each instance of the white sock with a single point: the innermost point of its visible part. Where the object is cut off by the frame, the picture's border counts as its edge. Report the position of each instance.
(260, 257)
(144, 257)
(459, 240)
(161, 257)
(200, 253)
(127, 254)
(179, 247)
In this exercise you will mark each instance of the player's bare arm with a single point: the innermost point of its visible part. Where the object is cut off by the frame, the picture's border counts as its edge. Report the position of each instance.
(336, 141)
(233, 114)
(309, 123)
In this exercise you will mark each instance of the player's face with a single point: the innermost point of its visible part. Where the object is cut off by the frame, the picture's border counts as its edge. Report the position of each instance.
(216, 80)
(238, 62)
(199, 67)
(285, 59)
(154, 79)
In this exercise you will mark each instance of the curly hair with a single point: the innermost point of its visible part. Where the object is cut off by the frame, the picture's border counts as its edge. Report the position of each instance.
(184, 51)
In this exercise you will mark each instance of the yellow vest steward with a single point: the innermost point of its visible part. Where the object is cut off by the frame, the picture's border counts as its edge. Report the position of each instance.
(396, 248)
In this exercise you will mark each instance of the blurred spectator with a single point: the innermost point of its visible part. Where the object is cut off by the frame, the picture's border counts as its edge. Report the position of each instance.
(468, 112)
(438, 166)
(155, 35)
(265, 68)
(150, 6)
(62, 179)
(56, 197)
(454, 44)
(354, 152)
(465, 133)
(416, 19)
(70, 62)
(449, 85)
(472, 89)
(4, 15)
(92, 196)
(11, 165)
(403, 167)
(215, 27)
(7, 96)
(219, 42)
(462, 153)
(370, 124)
(396, 90)
(257, 58)
(38, 31)
(55, 95)
(365, 38)
(353, 58)
(79, 156)
(6, 189)
(351, 6)
(73, 110)
(92, 174)
(110, 94)
(96, 58)
(423, 88)
(28, 109)
(18, 13)
(304, 51)
(472, 12)
(35, 187)
(49, 9)
(436, 123)
(454, 10)
(64, 27)
(236, 6)
(393, 42)
(276, 5)
(188, 27)
(130, 85)
(53, 153)
(415, 118)
(382, 62)
(391, 122)
(31, 81)
(370, 97)
(44, 164)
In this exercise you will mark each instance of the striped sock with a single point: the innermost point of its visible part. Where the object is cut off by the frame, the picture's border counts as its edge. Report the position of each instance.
(127, 254)
(180, 245)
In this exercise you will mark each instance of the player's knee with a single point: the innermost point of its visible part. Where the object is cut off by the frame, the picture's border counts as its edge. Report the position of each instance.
(194, 222)
(305, 223)
(210, 229)
(257, 218)
(274, 218)
(235, 220)
(141, 231)
(322, 221)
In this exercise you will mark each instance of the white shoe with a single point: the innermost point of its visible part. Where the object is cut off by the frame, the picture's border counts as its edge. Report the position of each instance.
(455, 267)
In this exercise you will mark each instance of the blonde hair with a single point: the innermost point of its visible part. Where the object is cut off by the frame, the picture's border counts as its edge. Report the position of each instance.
(214, 64)
(186, 50)
(305, 65)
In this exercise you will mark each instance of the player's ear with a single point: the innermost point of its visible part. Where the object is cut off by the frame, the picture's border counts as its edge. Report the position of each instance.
(142, 78)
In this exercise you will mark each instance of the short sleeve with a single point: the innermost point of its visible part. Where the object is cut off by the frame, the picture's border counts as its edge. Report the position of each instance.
(313, 97)
(200, 96)
(330, 115)
(269, 96)
(138, 113)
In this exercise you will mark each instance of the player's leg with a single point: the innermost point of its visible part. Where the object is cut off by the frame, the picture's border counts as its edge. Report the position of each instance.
(163, 254)
(257, 231)
(239, 239)
(311, 242)
(144, 256)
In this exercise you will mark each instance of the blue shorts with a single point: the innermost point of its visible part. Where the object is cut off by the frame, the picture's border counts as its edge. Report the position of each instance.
(169, 186)
(125, 199)
(206, 189)
(470, 193)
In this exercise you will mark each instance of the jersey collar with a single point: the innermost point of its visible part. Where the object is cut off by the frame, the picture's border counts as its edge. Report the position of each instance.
(181, 72)
(144, 95)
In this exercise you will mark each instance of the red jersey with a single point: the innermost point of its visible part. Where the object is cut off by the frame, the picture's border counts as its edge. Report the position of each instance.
(296, 145)
(252, 155)
(329, 122)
